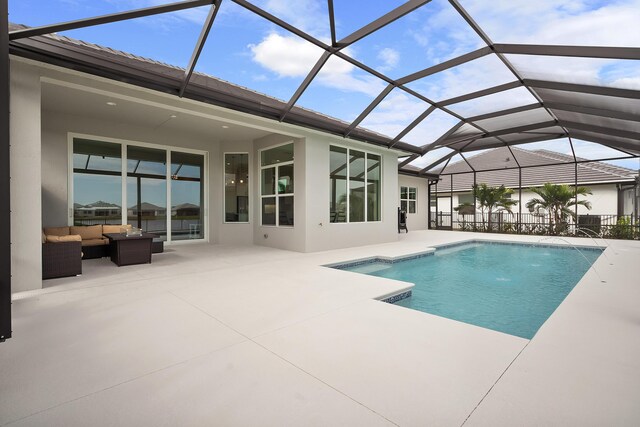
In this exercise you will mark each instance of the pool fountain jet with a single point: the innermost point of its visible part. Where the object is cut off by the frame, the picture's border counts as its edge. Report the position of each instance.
(592, 236)
(579, 251)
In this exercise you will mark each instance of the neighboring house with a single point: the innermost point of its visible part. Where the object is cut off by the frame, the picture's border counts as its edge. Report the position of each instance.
(98, 209)
(185, 209)
(612, 186)
(147, 210)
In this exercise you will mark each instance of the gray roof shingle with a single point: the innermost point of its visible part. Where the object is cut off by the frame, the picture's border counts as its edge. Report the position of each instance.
(547, 169)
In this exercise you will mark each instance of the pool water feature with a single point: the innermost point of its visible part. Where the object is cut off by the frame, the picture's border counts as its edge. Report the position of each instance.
(512, 288)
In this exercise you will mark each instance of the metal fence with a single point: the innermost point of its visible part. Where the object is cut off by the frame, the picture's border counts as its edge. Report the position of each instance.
(607, 226)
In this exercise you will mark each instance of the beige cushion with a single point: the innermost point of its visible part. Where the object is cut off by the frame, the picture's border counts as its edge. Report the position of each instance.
(69, 238)
(115, 228)
(57, 231)
(88, 232)
(94, 242)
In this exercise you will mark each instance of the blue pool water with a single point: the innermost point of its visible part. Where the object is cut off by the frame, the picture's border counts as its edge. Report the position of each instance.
(505, 287)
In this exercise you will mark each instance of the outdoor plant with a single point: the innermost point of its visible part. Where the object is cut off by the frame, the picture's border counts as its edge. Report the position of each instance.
(559, 200)
(493, 199)
(622, 230)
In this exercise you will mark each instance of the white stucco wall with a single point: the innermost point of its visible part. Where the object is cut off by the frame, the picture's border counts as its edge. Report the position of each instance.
(25, 157)
(340, 235)
(290, 238)
(420, 219)
(40, 194)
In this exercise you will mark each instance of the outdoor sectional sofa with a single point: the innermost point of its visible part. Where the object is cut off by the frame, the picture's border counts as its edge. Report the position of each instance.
(94, 244)
(64, 248)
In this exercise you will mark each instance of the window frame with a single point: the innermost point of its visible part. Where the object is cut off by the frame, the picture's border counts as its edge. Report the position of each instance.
(366, 179)
(408, 199)
(276, 195)
(124, 143)
(224, 201)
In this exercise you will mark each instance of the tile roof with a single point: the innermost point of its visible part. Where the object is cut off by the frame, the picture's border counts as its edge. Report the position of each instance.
(547, 169)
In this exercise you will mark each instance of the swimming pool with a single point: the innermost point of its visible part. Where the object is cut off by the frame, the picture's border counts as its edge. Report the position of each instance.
(506, 287)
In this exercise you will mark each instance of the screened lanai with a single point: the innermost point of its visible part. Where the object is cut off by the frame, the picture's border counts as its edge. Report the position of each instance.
(436, 80)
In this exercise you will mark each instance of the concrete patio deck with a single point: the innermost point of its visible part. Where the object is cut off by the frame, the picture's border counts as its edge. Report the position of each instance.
(245, 336)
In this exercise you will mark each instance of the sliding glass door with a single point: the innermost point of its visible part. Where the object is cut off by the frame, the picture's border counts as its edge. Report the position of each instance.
(158, 189)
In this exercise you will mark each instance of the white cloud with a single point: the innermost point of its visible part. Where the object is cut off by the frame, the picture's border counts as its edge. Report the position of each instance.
(289, 56)
(394, 113)
(610, 23)
(479, 74)
(389, 57)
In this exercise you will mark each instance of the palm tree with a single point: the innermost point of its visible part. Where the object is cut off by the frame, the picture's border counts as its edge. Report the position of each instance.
(493, 199)
(557, 200)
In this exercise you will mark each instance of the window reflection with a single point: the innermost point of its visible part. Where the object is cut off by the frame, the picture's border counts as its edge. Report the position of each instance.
(187, 196)
(147, 189)
(97, 182)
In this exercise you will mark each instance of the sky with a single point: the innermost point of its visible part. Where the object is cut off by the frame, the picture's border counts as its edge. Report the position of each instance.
(249, 51)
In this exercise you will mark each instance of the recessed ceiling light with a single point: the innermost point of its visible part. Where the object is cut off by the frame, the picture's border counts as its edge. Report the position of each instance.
(225, 127)
(173, 116)
(111, 103)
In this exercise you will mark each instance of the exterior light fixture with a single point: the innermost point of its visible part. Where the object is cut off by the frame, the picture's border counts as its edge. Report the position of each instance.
(111, 104)
(225, 127)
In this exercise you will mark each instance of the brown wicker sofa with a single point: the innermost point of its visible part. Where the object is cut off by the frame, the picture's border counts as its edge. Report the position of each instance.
(64, 248)
(94, 244)
(61, 258)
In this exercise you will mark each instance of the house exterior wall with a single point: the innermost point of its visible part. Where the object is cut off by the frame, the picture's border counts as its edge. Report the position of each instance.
(419, 220)
(321, 234)
(290, 238)
(40, 195)
(604, 200)
(25, 156)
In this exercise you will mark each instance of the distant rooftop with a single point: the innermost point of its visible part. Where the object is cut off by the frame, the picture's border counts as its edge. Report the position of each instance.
(551, 167)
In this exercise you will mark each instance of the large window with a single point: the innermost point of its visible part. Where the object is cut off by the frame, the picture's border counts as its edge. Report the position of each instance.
(355, 185)
(236, 187)
(408, 199)
(276, 185)
(117, 183)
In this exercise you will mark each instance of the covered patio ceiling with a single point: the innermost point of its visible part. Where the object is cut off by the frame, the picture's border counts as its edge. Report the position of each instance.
(532, 93)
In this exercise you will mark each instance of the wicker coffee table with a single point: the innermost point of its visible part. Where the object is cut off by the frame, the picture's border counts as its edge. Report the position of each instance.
(130, 250)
